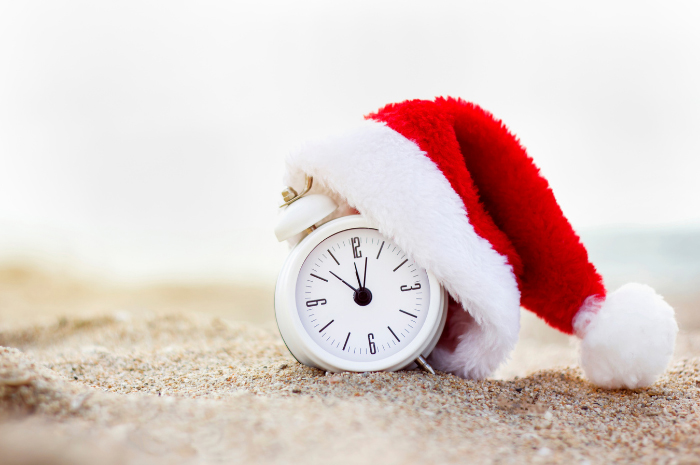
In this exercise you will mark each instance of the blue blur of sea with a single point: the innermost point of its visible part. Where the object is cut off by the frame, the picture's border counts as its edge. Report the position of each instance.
(668, 260)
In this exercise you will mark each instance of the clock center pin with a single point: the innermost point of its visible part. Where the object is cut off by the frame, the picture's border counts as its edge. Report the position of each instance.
(363, 297)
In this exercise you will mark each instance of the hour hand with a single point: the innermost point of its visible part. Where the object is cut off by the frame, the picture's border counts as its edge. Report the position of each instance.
(359, 283)
(343, 281)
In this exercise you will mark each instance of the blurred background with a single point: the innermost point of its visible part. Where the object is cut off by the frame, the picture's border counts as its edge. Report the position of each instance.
(142, 143)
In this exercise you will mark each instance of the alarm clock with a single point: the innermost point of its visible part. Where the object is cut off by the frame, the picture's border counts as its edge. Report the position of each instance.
(348, 298)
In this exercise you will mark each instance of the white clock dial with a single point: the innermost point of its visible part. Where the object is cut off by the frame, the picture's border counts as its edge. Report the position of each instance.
(359, 297)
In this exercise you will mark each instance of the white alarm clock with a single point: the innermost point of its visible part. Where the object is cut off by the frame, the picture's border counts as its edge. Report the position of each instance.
(348, 298)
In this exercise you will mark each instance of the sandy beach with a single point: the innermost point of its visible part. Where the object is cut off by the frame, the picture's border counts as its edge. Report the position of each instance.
(96, 374)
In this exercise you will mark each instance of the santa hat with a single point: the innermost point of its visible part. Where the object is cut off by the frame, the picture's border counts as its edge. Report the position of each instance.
(456, 190)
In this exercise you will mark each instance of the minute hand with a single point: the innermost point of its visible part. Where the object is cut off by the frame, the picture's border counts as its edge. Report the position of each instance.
(343, 281)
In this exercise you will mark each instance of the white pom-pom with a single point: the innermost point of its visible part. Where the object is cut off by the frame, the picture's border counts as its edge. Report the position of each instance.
(627, 339)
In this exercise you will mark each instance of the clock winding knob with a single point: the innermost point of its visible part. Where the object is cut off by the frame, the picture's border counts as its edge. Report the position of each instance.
(289, 194)
(302, 214)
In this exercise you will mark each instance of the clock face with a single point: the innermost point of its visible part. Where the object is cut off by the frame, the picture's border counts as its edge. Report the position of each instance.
(359, 296)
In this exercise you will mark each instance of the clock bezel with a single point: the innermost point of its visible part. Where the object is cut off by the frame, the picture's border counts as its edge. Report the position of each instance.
(308, 351)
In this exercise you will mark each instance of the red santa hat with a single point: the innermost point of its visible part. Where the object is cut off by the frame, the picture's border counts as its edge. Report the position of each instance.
(456, 190)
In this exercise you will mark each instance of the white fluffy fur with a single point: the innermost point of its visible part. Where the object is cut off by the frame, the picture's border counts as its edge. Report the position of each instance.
(394, 184)
(627, 339)
(480, 349)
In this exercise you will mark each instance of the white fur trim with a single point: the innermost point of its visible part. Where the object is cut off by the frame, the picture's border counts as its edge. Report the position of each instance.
(480, 350)
(627, 339)
(394, 184)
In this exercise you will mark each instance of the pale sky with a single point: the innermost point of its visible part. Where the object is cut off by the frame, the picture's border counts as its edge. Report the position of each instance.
(145, 140)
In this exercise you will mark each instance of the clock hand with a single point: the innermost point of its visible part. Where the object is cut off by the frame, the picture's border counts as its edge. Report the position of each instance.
(358, 277)
(343, 281)
(364, 280)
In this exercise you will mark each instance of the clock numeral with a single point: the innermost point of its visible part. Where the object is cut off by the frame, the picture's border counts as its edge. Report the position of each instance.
(372, 346)
(313, 303)
(355, 242)
(405, 288)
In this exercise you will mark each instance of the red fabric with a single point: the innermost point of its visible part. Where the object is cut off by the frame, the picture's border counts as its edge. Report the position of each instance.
(508, 202)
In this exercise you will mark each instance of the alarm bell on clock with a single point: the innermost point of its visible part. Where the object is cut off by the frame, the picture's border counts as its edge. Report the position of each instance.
(348, 298)
(301, 211)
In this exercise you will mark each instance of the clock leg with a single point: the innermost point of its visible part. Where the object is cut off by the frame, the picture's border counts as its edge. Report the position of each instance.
(420, 361)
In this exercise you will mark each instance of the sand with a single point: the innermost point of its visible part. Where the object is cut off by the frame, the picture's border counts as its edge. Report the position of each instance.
(138, 386)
